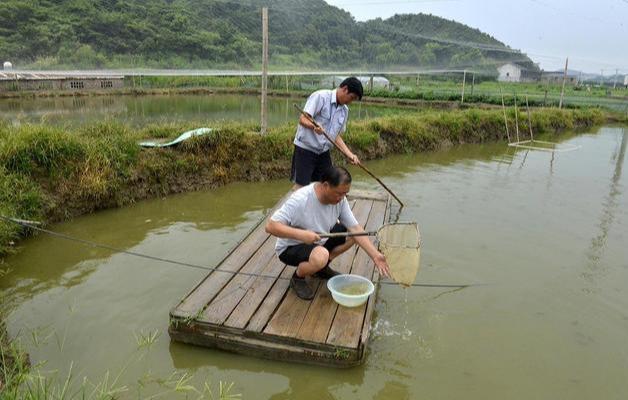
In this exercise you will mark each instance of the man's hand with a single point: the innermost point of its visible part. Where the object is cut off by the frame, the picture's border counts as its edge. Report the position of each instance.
(381, 264)
(309, 237)
(318, 129)
(353, 159)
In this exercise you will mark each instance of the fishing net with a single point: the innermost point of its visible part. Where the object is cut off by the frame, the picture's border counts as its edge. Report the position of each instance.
(401, 244)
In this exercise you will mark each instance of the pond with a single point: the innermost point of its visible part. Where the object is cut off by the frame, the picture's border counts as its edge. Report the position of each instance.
(143, 110)
(543, 235)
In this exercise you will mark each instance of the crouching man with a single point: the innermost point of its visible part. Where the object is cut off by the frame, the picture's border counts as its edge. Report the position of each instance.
(313, 209)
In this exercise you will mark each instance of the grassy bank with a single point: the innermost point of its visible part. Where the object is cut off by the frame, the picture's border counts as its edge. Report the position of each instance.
(51, 174)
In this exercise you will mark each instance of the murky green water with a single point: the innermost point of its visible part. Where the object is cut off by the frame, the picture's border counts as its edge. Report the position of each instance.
(546, 235)
(142, 110)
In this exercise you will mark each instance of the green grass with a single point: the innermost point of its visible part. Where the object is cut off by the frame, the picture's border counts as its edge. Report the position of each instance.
(20, 380)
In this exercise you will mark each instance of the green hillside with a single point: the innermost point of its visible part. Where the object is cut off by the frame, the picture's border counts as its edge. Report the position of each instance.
(304, 34)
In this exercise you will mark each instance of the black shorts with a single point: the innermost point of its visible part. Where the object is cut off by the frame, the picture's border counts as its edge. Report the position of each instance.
(295, 255)
(307, 166)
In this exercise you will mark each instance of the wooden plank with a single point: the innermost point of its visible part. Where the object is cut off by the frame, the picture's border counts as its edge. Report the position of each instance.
(376, 220)
(255, 295)
(262, 315)
(320, 315)
(370, 308)
(215, 281)
(257, 347)
(279, 325)
(223, 304)
(290, 314)
(346, 328)
(205, 290)
(367, 194)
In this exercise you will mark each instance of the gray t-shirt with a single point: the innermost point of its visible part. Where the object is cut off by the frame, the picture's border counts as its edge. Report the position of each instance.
(303, 210)
(324, 108)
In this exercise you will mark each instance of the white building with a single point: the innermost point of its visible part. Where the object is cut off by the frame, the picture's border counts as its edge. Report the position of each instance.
(626, 80)
(332, 82)
(8, 66)
(509, 73)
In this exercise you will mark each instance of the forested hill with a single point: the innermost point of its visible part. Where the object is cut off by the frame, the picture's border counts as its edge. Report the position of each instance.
(304, 34)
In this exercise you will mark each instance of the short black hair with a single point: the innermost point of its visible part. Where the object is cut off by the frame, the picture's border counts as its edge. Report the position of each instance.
(354, 85)
(336, 176)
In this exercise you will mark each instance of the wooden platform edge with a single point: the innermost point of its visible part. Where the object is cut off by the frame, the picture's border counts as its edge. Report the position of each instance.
(188, 332)
(370, 307)
(174, 309)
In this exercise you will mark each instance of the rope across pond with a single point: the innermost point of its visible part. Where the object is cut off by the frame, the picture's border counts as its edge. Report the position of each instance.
(33, 225)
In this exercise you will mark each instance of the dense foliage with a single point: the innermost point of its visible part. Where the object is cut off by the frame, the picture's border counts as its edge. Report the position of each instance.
(217, 33)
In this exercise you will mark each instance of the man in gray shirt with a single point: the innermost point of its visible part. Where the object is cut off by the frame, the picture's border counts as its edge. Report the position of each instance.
(311, 148)
(317, 208)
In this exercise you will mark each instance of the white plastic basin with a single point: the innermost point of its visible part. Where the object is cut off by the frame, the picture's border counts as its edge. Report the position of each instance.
(350, 290)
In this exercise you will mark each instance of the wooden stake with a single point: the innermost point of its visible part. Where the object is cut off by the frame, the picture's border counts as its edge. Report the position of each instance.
(516, 119)
(504, 108)
(562, 92)
(264, 116)
(464, 79)
(529, 119)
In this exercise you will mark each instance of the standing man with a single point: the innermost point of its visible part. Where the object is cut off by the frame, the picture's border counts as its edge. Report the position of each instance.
(317, 208)
(311, 148)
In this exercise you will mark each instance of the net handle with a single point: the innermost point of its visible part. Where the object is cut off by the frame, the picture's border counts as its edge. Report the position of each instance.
(365, 233)
(347, 234)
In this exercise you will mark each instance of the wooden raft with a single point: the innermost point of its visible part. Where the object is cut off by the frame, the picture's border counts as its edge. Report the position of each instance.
(262, 316)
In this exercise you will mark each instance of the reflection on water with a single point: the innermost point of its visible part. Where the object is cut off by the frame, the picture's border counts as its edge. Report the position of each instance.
(142, 110)
(545, 234)
(180, 222)
(608, 212)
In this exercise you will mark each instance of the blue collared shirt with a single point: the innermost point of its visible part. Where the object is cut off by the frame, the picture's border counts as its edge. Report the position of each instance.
(326, 111)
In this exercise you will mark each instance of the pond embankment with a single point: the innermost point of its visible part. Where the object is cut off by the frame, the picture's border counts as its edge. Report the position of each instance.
(51, 174)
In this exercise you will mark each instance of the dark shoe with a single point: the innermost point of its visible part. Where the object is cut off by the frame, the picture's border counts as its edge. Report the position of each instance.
(301, 288)
(326, 273)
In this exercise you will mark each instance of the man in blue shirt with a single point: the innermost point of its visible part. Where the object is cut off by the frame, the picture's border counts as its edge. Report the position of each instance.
(311, 148)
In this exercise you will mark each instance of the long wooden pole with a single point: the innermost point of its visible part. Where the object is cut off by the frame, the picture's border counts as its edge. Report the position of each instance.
(264, 116)
(529, 119)
(309, 117)
(562, 91)
(504, 109)
(516, 118)
(464, 80)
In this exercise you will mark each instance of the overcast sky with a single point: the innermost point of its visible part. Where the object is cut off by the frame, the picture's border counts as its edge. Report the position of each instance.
(593, 34)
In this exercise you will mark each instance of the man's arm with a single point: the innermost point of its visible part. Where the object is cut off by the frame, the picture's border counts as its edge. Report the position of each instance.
(353, 159)
(282, 230)
(306, 123)
(365, 243)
